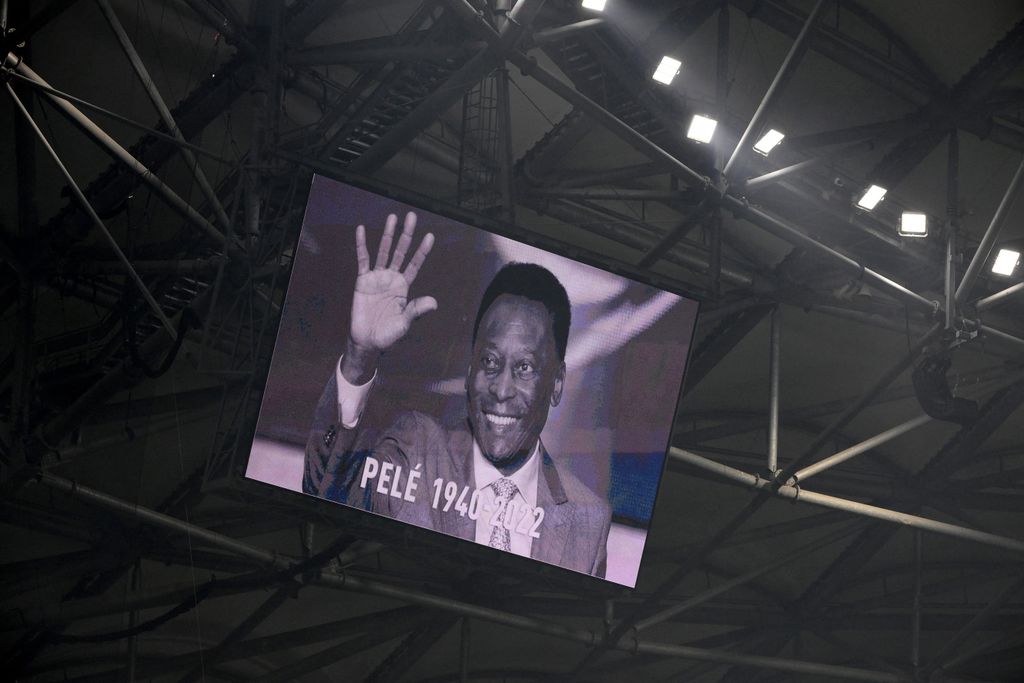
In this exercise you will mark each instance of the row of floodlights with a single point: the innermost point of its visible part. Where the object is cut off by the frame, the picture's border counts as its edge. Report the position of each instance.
(702, 129)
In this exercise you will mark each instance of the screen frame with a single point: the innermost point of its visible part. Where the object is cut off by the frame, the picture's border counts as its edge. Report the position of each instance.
(385, 529)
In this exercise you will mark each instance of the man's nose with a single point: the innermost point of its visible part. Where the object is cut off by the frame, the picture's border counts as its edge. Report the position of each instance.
(503, 386)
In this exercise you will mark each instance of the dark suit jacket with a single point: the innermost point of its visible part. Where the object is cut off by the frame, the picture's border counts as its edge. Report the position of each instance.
(573, 534)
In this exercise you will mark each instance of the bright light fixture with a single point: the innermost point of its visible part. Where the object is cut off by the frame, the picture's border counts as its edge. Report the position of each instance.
(871, 198)
(768, 141)
(701, 128)
(1006, 262)
(667, 70)
(913, 224)
(596, 5)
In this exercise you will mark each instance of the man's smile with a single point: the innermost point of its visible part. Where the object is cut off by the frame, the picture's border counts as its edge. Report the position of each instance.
(501, 420)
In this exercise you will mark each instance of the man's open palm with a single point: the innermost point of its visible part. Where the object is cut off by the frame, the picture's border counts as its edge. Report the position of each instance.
(381, 309)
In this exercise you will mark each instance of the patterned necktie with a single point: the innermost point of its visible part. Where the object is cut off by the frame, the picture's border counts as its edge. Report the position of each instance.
(504, 490)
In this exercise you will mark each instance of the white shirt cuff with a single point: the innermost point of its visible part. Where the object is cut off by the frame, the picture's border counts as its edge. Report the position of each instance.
(351, 398)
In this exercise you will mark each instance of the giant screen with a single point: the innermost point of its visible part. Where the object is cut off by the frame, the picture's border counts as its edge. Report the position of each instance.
(470, 384)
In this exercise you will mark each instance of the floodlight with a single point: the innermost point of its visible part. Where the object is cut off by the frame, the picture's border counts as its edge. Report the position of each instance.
(871, 198)
(667, 70)
(1006, 262)
(596, 5)
(701, 128)
(768, 141)
(913, 224)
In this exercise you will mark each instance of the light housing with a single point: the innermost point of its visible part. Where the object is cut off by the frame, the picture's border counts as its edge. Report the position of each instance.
(913, 224)
(768, 142)
(702, 128)
(1006, 262)
(871, 197)
(667, 70)
(596, 5)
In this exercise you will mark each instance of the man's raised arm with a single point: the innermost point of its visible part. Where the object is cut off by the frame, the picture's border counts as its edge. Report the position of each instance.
(382, 314)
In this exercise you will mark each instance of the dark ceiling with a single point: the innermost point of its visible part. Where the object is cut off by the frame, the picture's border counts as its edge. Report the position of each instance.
(130, 549)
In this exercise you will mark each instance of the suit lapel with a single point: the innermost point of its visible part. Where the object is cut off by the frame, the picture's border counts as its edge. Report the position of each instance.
(554, 530)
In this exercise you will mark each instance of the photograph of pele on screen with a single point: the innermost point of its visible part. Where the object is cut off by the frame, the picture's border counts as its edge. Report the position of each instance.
(463, 382)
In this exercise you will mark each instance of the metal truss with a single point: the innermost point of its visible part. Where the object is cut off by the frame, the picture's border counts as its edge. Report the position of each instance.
(227, 269)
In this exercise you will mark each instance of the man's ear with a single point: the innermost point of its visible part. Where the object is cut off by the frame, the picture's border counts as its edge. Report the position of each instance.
(556, 391)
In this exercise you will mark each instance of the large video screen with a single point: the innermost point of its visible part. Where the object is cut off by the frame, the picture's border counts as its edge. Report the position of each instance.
(463, 382)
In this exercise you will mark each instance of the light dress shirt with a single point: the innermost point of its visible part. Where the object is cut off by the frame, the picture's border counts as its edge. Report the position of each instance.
(523, 503)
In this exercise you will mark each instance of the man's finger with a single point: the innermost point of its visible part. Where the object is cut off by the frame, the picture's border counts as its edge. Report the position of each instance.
(362, 256)
(385, 242)
(420, 307)
(408, 228)
(417, 259)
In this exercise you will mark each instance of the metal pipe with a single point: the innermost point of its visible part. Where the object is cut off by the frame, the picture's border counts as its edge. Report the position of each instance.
(781, 561)
(165, 112)
(797, 493)
(772, 176)
(791, 234)
(862, 447)
(999, 297)
(549, 35)
(989, 238)
(530, 67)
(87, 207)
(999, 334)
(775, 347)
(506, 156)
(119, 152)
(448, 604)
(792, 58)
(117, 117)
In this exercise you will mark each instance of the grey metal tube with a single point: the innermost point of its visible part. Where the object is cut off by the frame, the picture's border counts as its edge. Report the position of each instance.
(772, 176)
(551, 34)
(165, 112)
(119, 152)
(999, 297)
(775, 346)
(796, 493)
(791, 60)
(789, 233)
(999, 334)
(855, 450)
(87, 207)
(989, 238)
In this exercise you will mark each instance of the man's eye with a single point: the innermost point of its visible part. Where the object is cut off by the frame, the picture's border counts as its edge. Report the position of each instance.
(525, 369)
(489, 362)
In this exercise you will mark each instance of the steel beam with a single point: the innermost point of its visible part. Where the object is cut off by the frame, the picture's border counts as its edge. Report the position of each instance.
(165, 112)
(989, 238)
(862, 447)
(774, 358)
(999, 297)
(796, 493)
(87, 207)
(793, 57)
(119, 152)
(557, 33)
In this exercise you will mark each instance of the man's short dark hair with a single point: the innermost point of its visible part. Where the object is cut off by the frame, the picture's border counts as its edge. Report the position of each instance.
(537, 284)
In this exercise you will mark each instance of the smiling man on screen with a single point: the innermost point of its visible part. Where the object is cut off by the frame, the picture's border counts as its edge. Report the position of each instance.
(490, 480)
